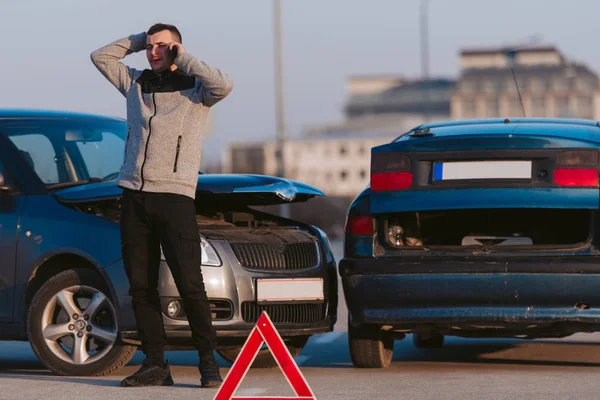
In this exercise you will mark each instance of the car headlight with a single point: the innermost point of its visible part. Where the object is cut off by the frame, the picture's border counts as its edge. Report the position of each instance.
(209, 254)
(210, 257)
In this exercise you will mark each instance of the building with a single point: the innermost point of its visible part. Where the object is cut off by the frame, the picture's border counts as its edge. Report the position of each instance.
(338, 165)
(550, 85)
(246, 158)
(380, 95)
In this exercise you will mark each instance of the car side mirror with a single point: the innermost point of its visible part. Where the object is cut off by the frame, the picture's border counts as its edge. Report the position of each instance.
(3, 187)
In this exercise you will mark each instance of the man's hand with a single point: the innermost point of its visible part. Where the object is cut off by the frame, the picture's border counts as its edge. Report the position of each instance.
(176, 48)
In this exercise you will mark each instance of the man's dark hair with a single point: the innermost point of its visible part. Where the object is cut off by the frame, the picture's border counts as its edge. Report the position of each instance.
(165, 27)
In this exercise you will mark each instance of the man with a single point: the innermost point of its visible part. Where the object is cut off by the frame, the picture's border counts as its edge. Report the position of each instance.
(167, 110)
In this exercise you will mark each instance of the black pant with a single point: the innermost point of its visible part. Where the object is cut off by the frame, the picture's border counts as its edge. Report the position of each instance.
(149, 220)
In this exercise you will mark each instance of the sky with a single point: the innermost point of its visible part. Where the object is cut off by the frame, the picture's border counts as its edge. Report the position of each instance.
(46, 46)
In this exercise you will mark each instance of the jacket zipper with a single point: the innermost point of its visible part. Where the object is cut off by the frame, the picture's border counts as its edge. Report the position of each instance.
(126, 143)
(148, 140)
(177, 153)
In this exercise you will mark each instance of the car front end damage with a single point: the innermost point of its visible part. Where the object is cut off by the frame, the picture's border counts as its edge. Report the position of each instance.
(241, 248)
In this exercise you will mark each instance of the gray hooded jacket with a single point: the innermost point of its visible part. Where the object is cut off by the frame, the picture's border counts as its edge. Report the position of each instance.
(166, 116)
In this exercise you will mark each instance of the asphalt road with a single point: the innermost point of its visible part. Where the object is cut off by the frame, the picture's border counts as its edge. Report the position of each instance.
(462, 369)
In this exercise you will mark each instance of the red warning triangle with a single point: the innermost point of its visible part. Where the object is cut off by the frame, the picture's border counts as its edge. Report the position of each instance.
(264, 332)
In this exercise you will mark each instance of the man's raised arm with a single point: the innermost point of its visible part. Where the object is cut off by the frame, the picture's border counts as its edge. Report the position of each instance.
(106, 59)
(216, 85)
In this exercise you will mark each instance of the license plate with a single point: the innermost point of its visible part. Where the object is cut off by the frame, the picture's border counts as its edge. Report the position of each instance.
(294, 289)
(465, 170)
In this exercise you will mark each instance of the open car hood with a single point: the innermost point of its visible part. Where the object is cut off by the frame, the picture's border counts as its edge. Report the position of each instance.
(251, 190)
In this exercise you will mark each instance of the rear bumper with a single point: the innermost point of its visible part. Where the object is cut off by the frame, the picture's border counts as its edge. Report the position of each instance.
(473, 293)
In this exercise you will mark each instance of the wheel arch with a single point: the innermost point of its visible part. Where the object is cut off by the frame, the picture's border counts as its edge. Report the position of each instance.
(53, 266)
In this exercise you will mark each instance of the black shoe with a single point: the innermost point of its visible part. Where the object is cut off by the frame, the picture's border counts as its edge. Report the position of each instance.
(209, 372)
(149, 375)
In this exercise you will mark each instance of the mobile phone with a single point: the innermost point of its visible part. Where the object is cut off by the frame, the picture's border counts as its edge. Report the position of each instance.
(174, 52)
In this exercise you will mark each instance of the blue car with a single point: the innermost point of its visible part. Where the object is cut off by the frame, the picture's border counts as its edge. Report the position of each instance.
(484, 228)
(62, 282)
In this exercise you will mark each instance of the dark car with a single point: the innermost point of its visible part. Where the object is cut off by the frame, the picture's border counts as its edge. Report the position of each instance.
(62, 282)
(484, 228)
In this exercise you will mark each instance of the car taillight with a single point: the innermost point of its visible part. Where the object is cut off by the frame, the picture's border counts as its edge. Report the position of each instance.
(577, 168)
(390, 171)
(358, 225)
(579, 158)
(384, 162)
(391, 181)
(576, 177)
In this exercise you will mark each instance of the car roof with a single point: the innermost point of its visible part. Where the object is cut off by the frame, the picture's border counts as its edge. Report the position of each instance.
(567, 128)
(22, 113)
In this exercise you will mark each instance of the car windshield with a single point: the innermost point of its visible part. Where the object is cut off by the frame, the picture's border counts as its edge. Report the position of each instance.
(70, 151)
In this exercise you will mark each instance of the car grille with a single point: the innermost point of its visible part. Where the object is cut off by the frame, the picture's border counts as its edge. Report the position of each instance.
(284, 313)
(221, 310)
(261, 256)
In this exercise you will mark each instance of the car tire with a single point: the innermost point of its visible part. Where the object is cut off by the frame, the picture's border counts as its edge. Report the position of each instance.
(264, 358)
(370, 347)
(76, 345)
(428, 341)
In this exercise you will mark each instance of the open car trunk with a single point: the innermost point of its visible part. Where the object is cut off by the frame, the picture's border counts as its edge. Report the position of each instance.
(504, 230)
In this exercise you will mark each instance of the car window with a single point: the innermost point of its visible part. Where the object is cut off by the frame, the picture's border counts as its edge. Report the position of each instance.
(70, 151)
(104, 157)
(39, 153)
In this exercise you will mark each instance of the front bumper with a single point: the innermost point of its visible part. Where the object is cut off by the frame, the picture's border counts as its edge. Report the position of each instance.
(243, 329)
(473, 292)
(236, 285)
